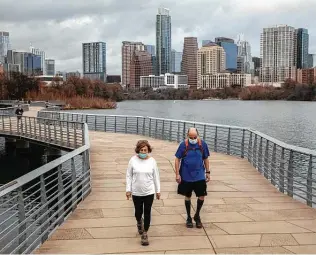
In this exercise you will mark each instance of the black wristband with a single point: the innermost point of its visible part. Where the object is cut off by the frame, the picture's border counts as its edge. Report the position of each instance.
(208, 172)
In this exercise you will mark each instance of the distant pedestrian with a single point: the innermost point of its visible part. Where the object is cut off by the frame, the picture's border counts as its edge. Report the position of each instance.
(46, 104)
(19, 112)
(142, 183)
(192, 173)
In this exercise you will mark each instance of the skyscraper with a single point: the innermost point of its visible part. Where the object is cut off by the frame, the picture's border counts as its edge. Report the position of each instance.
(50, 66)
(176, 59)
(141, 65)
(231, 52)
(244, 58)
(151, 49)
(302, 43)
(128, 50)
(94, 60)
(277, 53)
(163, 41)
(189, 60)
(42, 54)
(4, 45)
(205, 42)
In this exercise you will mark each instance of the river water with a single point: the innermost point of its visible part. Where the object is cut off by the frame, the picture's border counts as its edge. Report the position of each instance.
(290, 122)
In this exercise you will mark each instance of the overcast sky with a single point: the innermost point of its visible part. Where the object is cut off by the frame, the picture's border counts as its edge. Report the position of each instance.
(60, 27)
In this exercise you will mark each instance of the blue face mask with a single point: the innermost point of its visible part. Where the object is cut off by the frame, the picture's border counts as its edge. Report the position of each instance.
(193, 141)
(142, 155)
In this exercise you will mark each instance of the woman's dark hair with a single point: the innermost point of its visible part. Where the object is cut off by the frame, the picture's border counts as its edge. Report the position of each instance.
(141, 144)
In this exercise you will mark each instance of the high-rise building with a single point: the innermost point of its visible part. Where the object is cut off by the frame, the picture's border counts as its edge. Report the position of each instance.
(205, 42)
(211, 60)
(277, 52)
(244, 58)
(128, 50)
(163, 41)
(306, 76)
(50, 66)
(176, 59)
(4, 45)
(189, 60)
(151, 49)
(302, 43)
(94, 60)
(141, 65)
(24, 62)
(311, 60)
(256, 65)
(42, 54)
(231, 52)
(72, 74)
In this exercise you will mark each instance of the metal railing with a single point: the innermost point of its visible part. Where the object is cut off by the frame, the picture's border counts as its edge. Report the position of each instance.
(11, 110)
(290, 168)
(32, 206)
(65, 134)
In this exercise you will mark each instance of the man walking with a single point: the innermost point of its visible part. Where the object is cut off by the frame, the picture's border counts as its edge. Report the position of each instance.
(19, 112)
(192, 173)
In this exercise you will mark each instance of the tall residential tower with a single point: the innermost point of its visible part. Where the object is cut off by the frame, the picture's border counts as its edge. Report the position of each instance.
(189, 60)
(4, 45)
(302, 42)
(163, 41)
(277, 52)
(94, 60)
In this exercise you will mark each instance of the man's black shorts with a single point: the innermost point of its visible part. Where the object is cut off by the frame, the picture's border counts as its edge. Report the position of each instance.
(199, 188)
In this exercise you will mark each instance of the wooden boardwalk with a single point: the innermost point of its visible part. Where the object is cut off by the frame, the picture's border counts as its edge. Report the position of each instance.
(243, 212)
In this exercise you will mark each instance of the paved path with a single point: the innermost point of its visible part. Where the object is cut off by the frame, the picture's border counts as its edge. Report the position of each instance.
(243, 212)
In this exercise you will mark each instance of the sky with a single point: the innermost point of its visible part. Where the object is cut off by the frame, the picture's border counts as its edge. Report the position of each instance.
(60, 27)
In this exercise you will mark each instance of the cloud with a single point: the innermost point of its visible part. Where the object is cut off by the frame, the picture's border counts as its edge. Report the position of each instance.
(60, 27)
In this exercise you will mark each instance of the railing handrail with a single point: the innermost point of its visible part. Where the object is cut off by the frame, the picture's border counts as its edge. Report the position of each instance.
(47, 167)
(303, 150)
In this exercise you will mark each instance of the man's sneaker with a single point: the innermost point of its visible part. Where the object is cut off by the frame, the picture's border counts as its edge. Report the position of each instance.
(198, 222)
(140, 227)
(144, 240)
(189, 223)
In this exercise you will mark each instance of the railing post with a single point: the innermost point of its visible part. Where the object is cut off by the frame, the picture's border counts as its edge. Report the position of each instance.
(49, 131)
(125, 125)
(45, 130)
(254, 152)
(21, 216)
(163, 130)
(266, 160)
(281, 174)
(35, 129)
(260, 155)
(55, 134)
(30, 127)
(215, 140)
(309, 183)
(170, 131)
(273, 165)
(11, 125)
(44, 224)
(184, 130)
(61, 131)
(2, 118)
(74, 184)
(114, 124)
(228, 142)
(178, 135)
(149, 127)
(95, 122)
(156, 127)
(60, 195)
(290, 175)
(104, 123)
(204, 132)
(68, 138)
(144, 126)
(243, 144)
(75, 128)
(137, 125)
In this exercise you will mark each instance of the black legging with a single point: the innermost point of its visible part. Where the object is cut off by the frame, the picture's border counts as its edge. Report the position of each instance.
(143, 204)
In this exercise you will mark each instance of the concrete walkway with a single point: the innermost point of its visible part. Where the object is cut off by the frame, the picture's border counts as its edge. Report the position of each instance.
(243, 212)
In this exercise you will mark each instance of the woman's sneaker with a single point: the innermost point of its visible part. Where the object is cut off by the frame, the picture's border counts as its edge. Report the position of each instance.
(140, 227)
(144, 240)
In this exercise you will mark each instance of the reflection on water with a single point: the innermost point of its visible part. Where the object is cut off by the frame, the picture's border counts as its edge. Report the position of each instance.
(291, 122)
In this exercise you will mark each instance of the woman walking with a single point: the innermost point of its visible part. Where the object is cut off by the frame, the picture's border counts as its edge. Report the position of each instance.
(142, 183)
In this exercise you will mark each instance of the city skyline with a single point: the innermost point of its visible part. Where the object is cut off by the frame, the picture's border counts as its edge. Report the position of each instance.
(60, 27)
